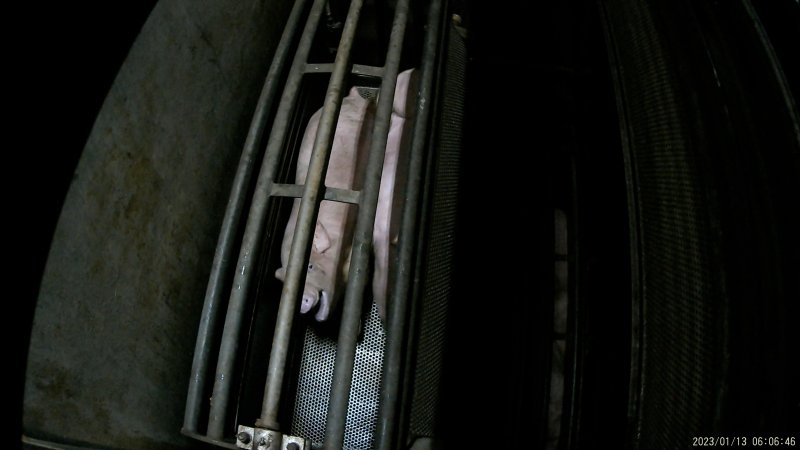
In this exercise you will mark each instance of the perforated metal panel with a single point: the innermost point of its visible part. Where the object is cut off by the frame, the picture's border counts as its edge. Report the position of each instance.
(314, 384)
(368, 93)
(682, 296)
(437, 289)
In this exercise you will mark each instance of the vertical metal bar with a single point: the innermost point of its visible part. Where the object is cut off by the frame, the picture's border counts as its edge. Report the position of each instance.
(248, 254)
(362, 239)
(232, 219)
(306, 219)
(398, 302)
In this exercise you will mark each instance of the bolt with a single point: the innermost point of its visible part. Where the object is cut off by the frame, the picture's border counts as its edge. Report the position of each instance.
(263, 441)
(293, 446)
(244, 437)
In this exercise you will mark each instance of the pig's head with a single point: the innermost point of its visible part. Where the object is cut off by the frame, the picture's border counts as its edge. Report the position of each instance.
(319, 287)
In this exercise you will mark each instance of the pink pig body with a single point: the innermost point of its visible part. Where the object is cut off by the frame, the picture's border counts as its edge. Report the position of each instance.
(330, 252)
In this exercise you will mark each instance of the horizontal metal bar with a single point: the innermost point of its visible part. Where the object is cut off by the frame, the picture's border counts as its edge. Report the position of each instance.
(362, 239)
(286, 190)
(253, 232)
(319, 68)
(306, 219)
(329, 193)
(342, 195)
(399, 297)
(357, 69)
(231, 222)
(212, 441)
(369, 71)
(33, 443)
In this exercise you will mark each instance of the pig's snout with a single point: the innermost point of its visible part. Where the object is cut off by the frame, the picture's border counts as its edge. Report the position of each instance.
(311, 293)
(310, 300)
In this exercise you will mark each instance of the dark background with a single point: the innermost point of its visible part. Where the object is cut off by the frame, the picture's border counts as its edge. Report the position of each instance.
(64, 59)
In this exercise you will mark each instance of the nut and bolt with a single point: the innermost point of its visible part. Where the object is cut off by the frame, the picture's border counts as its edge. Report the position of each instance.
(244, 437)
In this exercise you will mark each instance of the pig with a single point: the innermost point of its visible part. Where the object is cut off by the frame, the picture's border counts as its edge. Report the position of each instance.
(330, 247)
(329, 261)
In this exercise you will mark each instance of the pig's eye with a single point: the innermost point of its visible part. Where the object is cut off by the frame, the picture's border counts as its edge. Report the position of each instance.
(310, 267)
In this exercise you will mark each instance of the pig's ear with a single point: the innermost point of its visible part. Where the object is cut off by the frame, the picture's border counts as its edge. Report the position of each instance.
(280, 274)
(322, 241)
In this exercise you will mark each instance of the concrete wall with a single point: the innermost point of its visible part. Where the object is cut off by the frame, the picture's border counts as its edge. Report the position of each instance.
(120, 298)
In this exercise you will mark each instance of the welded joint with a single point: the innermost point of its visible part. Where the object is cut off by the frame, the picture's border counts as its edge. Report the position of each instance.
(262, 439)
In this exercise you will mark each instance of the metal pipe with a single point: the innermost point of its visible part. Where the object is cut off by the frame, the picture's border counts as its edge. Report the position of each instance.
(248, 254)
(306, 219)
(362, 239)
(232, 219)
(398, 302)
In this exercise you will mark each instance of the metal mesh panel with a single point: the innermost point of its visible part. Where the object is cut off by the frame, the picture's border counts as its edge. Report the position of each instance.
(439, 259)
(682, 308)
(314, 385)
(368, 93)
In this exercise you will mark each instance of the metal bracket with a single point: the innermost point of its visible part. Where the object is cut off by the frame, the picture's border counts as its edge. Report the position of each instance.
(262, 439)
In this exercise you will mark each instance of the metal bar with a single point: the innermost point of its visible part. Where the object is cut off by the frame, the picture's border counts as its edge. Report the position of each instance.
(362, 239)
(370, 71)
(319, 68)
(248, 253)
(212, 441)
(286, 190)
(574, 344)
(398, 302)
(33, 444)
(342, 195)
(421, 240)
(329, 193)
(232, 219)
(634, 219)
(306, 218)
(358, 69)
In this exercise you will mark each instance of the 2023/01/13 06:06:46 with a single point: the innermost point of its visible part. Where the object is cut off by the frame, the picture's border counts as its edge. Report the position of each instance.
(743, 441)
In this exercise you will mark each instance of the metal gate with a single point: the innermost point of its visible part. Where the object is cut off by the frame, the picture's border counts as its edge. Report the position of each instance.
(324, 364)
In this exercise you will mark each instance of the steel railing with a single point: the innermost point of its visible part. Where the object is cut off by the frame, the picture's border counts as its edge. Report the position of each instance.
(311, 194)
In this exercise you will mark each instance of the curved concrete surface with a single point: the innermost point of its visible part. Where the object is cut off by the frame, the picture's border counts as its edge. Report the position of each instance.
(120, 298)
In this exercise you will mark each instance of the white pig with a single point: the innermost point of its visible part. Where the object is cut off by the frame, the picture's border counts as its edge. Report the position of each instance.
(330, 252)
